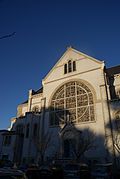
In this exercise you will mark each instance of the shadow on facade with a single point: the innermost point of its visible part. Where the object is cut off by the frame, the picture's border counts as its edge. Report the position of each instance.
(42, 137)
(114, 126)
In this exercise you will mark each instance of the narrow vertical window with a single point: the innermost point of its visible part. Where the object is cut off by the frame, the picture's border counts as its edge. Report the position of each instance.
(69, 66)
(65, 68)
(35, 130)
(27, 131)
(74, 66)
(7, 140)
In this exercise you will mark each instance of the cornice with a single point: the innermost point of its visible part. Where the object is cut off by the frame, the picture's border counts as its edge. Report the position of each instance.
(37, 95)
(25, 104)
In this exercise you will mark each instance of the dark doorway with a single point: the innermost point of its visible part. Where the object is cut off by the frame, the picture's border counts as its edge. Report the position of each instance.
(66, 148)
(69, 148)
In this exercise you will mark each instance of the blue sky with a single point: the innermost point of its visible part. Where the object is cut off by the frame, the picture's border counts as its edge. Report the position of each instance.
(44, 29)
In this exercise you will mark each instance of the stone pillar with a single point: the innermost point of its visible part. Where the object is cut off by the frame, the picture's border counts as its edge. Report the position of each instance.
(107, 120)
(29, 100)
(43, 105)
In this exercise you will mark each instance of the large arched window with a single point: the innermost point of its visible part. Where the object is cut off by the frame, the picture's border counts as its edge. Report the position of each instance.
(72, 102)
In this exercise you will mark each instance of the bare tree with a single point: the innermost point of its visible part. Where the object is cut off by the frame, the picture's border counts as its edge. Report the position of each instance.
(117, 131)
(117, 142)
(42, 145)
(83, 143)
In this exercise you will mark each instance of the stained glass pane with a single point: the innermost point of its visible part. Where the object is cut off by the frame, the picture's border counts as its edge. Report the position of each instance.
(59, 104)
(70, 102)
(72, 115)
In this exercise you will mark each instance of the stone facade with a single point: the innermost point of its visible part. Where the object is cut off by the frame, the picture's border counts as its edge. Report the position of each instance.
(78, 96)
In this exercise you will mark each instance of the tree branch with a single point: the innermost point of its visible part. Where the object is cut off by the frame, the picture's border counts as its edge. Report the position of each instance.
(7, 36)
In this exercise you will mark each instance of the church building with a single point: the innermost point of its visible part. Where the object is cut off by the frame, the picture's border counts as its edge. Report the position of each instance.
(74, 115)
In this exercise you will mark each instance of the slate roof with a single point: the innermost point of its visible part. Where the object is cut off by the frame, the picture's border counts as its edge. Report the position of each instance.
(38, 91)
(9, 133)
(113, 70)
(34, 93)
(3, 130)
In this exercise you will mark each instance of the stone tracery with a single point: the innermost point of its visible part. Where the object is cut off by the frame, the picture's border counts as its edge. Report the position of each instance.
(73, 99)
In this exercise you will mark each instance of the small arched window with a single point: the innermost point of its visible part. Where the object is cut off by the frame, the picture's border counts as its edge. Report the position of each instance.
(65, 68)
(118, 93)
(69, 66)
(117, 119)
(74, 66)
(35, 109)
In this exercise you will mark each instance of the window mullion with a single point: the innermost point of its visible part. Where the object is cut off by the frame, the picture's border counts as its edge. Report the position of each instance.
(89, 107)
(65, 102)
(76, 101)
